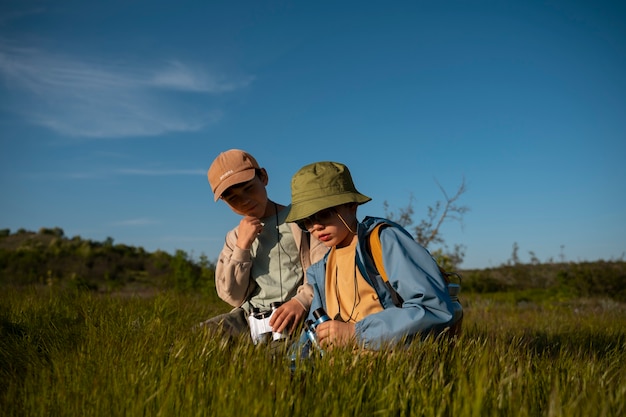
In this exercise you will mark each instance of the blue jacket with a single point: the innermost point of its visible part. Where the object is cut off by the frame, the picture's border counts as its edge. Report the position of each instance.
(412, 272)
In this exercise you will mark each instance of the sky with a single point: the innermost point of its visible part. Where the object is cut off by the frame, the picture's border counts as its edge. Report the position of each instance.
(111, 112)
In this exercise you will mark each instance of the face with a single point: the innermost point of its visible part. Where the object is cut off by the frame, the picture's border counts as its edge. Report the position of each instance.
(248, 198)
(326, 225)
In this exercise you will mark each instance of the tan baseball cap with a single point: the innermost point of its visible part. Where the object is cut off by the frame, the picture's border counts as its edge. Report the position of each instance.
(230, 168)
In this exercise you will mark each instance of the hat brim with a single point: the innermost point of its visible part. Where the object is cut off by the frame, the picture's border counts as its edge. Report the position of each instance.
(238, 178)
(304, 209)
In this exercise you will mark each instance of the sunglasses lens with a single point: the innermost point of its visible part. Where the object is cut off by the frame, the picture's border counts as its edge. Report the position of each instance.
(321, 217)
(325, 215)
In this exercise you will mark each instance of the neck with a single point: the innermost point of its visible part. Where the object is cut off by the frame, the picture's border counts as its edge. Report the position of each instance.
(346, 242)
(272, 208)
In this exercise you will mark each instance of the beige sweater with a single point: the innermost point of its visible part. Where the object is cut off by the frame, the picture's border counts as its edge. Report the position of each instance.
(233, 270)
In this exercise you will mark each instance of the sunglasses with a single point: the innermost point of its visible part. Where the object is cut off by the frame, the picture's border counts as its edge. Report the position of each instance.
(321, 217)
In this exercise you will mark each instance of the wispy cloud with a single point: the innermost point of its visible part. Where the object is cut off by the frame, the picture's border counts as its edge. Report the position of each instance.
(179, 76)
(79, 98)
(95, 175)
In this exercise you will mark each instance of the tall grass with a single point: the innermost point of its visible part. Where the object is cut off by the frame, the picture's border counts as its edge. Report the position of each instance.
(78, 354)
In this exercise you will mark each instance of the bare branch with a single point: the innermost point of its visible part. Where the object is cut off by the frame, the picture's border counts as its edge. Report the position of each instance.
(429, 230)
(405, 218)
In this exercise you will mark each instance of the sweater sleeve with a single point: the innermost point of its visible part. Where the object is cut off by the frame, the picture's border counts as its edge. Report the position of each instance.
(232, 272)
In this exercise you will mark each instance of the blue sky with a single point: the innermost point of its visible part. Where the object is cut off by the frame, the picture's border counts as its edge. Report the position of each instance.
(111, 113)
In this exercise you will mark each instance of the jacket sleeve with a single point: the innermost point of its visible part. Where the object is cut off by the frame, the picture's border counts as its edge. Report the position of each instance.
(232, 272)
(316, 276)
(414, 274)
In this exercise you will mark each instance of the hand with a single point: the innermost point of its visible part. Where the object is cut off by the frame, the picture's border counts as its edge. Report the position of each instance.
(249, 229)
(287, 316)
(335, 333)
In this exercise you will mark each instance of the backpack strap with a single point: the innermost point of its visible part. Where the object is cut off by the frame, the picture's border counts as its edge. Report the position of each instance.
(376, 250)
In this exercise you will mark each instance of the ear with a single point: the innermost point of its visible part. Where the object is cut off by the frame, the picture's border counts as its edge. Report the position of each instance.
(262, 173)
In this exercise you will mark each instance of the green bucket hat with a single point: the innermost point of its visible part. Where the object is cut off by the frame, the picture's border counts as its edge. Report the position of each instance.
(321, 185)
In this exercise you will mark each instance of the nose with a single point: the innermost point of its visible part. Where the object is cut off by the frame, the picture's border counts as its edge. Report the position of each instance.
(316, 227)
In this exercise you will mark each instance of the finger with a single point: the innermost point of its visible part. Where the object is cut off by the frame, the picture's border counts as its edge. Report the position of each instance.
(285, 325)
(323, 335)
(279, 324)
(277, 316)
(280, 320)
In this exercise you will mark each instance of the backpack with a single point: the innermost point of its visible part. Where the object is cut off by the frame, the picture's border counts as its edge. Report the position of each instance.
(453, 288)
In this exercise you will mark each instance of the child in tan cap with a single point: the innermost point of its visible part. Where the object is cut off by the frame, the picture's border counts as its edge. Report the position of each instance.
(264, 259)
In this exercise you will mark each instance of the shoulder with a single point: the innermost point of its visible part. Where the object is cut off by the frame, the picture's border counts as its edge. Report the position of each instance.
(385, 227)
(232, 233)
(296, 233)
(385, 235)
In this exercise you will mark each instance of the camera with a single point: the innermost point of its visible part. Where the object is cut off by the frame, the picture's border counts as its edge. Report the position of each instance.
(260, 329)
(320, 316)
(277, 335)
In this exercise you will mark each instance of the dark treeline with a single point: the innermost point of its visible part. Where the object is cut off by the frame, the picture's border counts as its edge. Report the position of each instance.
(48, 257)
(562, 280)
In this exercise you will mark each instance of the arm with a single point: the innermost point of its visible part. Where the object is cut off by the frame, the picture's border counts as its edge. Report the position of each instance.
(294, 311)
(232, 272)
(311, 250)
(415, 275)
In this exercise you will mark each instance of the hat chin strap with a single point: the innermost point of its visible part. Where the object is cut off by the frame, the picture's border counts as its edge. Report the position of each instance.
(345, 224)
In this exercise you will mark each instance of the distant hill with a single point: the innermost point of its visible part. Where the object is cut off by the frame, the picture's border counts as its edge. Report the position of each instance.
(48, 257)
(569, 279)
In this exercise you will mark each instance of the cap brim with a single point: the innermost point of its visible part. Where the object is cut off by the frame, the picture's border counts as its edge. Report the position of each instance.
(238, 178)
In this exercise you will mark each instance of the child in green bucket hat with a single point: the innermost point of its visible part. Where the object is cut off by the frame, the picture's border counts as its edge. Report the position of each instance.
(364, 308)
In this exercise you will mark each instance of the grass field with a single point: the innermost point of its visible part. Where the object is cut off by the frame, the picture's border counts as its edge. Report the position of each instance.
(81, 354)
